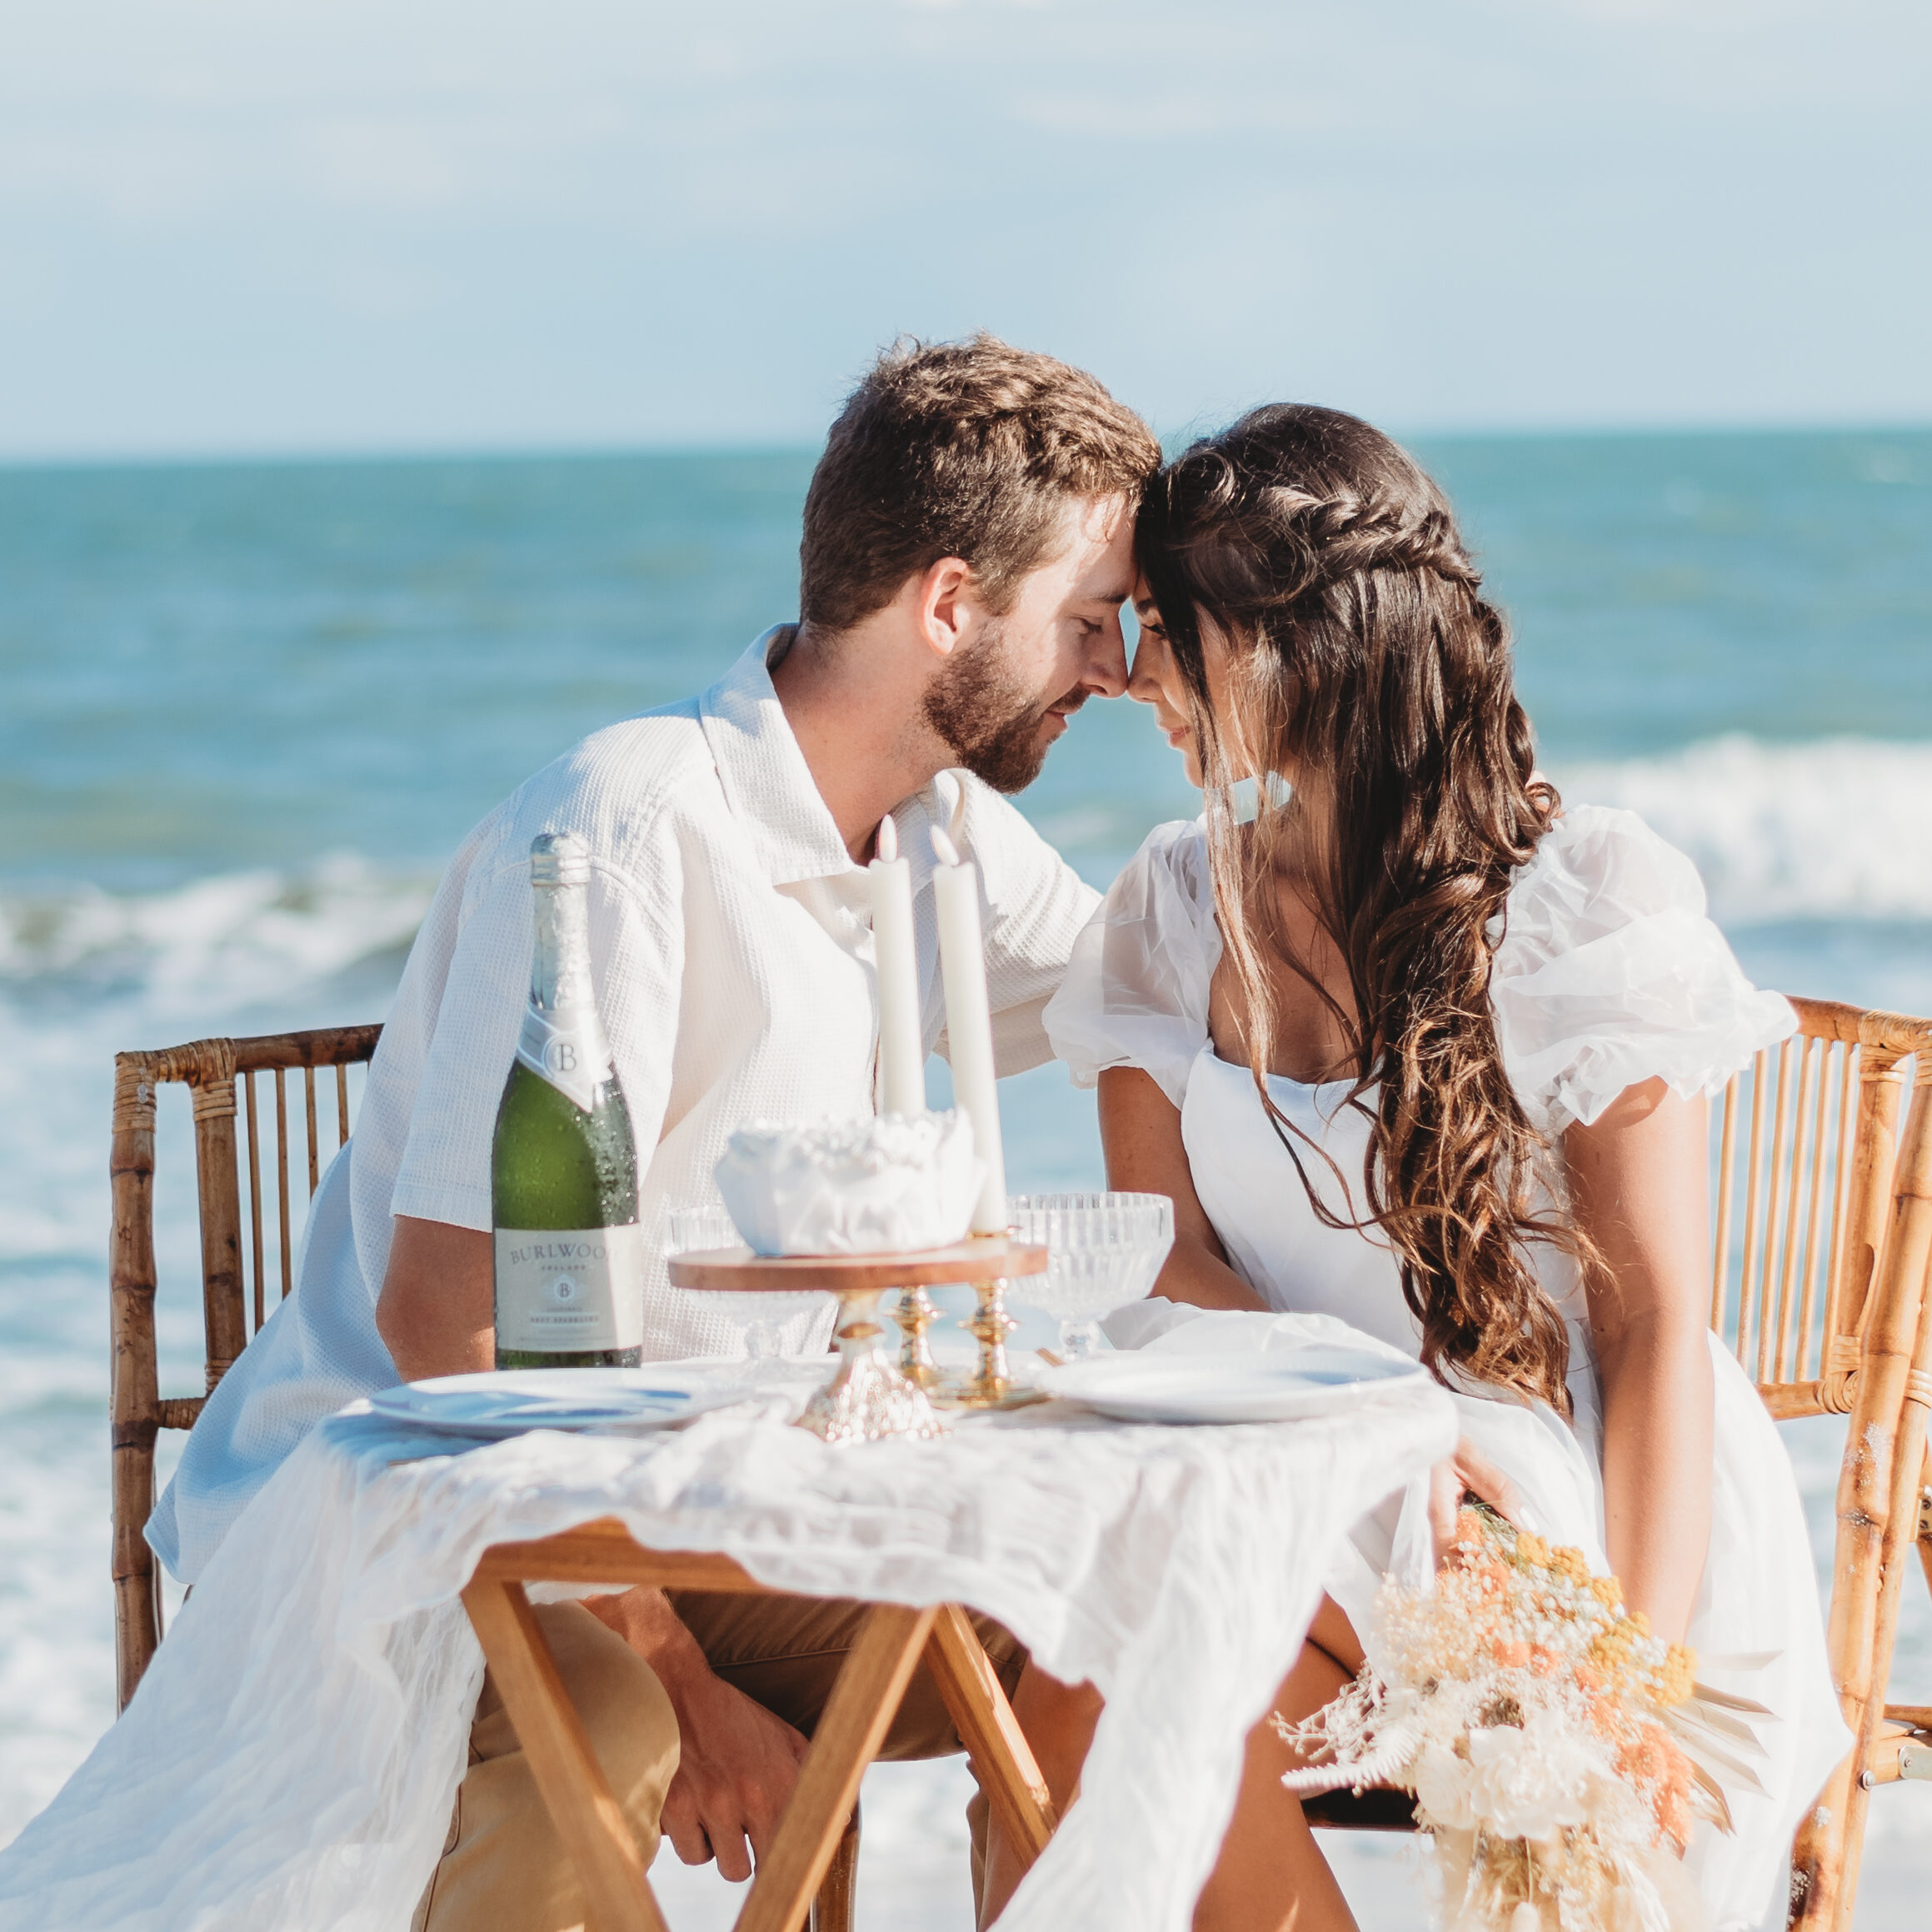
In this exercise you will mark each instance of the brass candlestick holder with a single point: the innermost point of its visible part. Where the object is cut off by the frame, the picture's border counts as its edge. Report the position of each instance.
(914, 1315)
(989, 1325)
(871, 1396)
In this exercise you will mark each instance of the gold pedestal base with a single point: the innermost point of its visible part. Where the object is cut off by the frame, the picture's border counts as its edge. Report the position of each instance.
(869, 1398)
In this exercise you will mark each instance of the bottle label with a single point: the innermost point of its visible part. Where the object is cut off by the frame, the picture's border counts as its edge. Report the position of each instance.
(574, 1058)
(570, 1290)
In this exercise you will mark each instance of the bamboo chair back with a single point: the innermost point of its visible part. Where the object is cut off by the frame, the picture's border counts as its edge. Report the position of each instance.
(1821, 1283)
(249, 1227)
(1807, 1139)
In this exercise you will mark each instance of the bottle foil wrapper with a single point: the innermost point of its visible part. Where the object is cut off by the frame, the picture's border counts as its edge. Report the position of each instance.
(886, 1184)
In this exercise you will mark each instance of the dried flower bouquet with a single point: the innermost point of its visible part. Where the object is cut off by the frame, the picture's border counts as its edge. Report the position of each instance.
(1559, 1753)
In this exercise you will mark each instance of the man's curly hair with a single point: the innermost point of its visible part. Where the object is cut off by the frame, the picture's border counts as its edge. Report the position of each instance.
(970, 450)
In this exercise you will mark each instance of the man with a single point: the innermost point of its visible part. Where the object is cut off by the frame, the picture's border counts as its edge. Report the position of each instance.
(967, 547)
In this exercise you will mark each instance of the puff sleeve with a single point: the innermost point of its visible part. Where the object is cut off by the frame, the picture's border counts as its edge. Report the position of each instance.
(1609, 972)
(1135, 992)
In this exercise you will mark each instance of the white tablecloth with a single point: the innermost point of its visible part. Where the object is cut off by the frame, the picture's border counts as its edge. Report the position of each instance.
(293, 1754)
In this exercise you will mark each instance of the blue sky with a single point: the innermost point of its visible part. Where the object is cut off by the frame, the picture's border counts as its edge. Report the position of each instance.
(294, 225)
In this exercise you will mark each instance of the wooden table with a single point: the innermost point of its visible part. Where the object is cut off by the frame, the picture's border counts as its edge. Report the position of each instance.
(863, 1702)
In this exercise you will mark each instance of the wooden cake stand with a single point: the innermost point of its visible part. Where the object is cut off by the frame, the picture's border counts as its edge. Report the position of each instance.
(873, 1395)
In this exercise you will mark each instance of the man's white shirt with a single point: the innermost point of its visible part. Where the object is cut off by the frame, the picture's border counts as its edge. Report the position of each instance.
(731, 942)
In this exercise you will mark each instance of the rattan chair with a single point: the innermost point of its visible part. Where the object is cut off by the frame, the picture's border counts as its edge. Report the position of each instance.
(1824, 1178)
(220, 1075)
(1823, 1227)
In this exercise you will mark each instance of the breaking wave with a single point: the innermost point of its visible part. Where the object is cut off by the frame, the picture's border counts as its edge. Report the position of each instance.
(1834, 829)
(217, 944)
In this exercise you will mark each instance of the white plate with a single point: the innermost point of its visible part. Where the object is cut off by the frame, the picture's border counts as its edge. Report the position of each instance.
(1273, 1386)
(509, 1401)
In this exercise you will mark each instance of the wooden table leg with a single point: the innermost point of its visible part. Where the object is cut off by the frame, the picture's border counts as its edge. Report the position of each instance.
(595, 1832)
(858, 1715)
(991, 1735)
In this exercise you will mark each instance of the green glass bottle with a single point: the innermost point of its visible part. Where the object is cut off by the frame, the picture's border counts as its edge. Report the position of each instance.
(563, 1169)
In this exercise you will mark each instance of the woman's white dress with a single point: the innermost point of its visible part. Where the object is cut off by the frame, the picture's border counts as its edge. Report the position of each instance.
(1608, 973)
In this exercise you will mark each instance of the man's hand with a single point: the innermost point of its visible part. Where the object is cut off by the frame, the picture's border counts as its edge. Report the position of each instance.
(735, 1767)
(737, 1762)
(1468, 1469)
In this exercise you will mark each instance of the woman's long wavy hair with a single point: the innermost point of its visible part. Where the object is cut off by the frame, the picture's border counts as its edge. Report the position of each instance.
(1364, 665)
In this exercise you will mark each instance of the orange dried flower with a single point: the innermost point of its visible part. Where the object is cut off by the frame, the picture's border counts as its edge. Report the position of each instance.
(1675, 1680)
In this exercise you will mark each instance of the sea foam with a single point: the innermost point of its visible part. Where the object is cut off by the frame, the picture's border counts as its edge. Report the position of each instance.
(215, 944)
(1834, 829)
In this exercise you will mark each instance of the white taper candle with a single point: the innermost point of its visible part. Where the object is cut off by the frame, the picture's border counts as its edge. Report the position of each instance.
(901, 1037)
(969, 1024)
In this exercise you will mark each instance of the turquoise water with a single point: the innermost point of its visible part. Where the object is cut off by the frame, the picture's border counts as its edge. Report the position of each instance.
(246, 712)
(226, 666)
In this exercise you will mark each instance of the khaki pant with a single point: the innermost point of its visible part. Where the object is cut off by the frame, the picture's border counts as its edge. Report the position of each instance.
(503, 1868)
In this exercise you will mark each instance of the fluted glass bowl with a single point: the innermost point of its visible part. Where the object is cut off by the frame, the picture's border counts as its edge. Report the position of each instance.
(773, 1325)
(1105, 1250)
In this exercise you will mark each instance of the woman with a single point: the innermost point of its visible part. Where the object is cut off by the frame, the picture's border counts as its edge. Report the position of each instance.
(1420, 1049)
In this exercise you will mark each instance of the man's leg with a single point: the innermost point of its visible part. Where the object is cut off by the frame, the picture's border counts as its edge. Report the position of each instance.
(503, 1868)
(787, 1652)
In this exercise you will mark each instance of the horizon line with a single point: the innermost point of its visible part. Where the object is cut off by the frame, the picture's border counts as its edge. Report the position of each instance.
(295, 455)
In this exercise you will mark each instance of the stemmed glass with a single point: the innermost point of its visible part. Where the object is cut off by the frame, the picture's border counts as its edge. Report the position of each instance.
(764, 1318)
(1106, 1250)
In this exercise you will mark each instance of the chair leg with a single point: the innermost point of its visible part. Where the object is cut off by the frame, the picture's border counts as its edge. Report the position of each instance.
(838, 1890)
(1925, 1516)
(1818, 1856)
(1903, 1328)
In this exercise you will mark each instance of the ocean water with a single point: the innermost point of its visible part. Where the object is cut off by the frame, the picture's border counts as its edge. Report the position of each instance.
(246, 712)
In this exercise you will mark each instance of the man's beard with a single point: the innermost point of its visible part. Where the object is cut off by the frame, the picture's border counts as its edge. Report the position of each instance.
(993, 727)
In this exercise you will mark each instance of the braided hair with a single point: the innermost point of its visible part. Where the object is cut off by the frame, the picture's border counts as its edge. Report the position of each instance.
(1364, 664)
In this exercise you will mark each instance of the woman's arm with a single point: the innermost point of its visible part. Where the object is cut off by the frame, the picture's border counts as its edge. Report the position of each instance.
(1141, 1134)
(1637, 1190)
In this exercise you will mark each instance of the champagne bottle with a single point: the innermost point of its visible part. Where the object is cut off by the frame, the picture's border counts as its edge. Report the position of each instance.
(563, 1169)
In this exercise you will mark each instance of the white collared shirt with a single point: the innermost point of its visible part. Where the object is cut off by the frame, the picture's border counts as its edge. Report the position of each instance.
(732, 943)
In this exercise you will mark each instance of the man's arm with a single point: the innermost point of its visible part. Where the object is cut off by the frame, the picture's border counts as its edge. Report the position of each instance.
(436, 1312)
